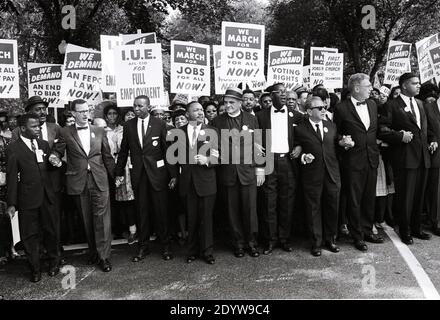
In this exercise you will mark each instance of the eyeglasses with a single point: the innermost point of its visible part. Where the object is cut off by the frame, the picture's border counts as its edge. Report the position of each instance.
(319, 108)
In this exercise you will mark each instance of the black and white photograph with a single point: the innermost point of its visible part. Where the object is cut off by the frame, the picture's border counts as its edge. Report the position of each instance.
(219, 157)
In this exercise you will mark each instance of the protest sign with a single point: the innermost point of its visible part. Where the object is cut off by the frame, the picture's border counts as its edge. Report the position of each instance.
(333, 70)
(425, 67)
(81, 76)
(317, 65)
(285, 64)
(138, 38)
(306, 77)
(138, 71)
(242, 52)
(9, 86)
(44, 80)
(434, 56)
(398, 62)
(108, 43)
(190, 68)
(221, 84)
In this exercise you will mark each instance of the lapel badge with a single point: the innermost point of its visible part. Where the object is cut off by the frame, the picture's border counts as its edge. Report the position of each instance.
(202, 132)
(155, 143)
(325, 129)
(291, 114)
(407, 109)
(245, 127)
(92, 135)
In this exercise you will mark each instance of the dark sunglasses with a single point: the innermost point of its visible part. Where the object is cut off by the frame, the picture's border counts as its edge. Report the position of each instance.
(320, 108)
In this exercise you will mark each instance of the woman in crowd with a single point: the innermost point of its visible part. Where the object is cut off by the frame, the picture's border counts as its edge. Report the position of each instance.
(210, 109)
(124, 194)
(394, 93)
(265, 101)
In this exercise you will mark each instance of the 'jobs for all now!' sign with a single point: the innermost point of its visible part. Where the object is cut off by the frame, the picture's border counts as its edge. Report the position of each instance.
(317, 66)
(190, 68)
(9, 87)
(44, 80)
(138, 71)
(242, 52)
(285, 65)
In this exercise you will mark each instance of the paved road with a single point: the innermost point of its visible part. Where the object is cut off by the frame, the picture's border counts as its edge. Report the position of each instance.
(381, 273)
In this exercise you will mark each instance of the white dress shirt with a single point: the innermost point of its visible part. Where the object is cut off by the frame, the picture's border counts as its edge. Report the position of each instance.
(438, 104)
(191, 129)
(407, 101)
(321, 127)
(362, 111)
(279, 136)
(139, 128)
(44, 135)
(28, 143)
(84, 137)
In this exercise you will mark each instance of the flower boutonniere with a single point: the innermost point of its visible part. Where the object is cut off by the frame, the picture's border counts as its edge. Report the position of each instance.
(92, 135)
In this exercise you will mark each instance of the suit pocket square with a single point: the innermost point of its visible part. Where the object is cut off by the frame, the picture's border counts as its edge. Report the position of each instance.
(154, 138)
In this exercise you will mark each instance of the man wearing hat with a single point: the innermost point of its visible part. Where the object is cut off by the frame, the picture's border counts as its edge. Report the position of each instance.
(237, 172)
(278, 125)
(406, 130)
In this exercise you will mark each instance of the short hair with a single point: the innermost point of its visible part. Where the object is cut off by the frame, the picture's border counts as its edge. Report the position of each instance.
(142, 96)
(406, 76)
(191, 103)
(23, 120)
(321, 93)
(356, 79)
(110, 105)
(376, 90)
(178, 113)
(310, 100)
(249, 91)
(210, 103)
(75, 102)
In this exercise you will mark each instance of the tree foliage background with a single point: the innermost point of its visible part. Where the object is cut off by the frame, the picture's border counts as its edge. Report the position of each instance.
(36, 24)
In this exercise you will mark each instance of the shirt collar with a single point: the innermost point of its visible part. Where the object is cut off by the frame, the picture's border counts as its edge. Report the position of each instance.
(406, 99)
(438, 102)
(315, 123)
(77, 126)
(26, 140)
(355, 101)
(282, 108)
(198, 127)
(236, 115)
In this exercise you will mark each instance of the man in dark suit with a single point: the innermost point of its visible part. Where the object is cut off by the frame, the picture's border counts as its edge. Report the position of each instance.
(320, 175)
(237, 172)
(356, 120)
(30, 192)
(197, 180)
(89, 160)
(277, 124)
(145, 138)
(406, 130)
(432, 111)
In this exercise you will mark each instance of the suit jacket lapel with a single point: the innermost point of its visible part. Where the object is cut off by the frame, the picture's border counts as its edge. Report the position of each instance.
(355, 114)
(148, 133)
(436, 111)
(314, 130)
(93, 144)
(423, 123)
(409, 114)
(75, 136)
(372, 116)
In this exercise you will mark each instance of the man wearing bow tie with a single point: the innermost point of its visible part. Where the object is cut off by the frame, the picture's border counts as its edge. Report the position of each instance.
(356, 120)
(406, 130)
(89, 160)
(145, 138)
(278, 124)
(320, 177)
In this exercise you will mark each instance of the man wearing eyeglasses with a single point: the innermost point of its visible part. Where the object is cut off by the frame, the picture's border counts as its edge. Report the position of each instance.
(356, 120)
(278, 124)
(320, 176)
(89, 160)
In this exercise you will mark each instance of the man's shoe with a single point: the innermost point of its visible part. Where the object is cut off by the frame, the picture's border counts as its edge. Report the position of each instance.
(343, 230)
(332, 246)
(142, 253)
(166, 253)
(105, 265)
(407, 239)
(93, 259)
(53, 270)
(268, 249)
(190, 259)
(35, 277)
(253, 252)
(421, 235)
(360, 245)
(373, 238)
(131, 238)
(436, 231)
(316, 251)
(209, 259)
(286, 247)
(239, 253)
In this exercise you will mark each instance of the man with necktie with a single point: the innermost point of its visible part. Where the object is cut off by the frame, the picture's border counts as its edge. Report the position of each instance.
(406, 130)
(145, 139)
(89, 160)
(356, 121)
(30, 191)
